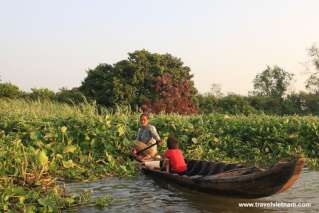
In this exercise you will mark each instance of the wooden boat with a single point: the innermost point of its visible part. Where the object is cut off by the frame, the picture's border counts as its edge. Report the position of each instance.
(234, 180)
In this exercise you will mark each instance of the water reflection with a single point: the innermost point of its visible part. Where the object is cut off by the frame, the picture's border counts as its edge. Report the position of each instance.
(143, 194)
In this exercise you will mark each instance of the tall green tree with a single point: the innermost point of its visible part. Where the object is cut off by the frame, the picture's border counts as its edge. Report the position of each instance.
(98, 84)
(133, 81)
(312, 83)
(273, 81)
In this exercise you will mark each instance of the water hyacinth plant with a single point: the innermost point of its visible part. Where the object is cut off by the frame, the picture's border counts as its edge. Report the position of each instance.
(44, 143)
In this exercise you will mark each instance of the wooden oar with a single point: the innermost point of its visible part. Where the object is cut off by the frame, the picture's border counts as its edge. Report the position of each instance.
(146, 148)
(139, 152)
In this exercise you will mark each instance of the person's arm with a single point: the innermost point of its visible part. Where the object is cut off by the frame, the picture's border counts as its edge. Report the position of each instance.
(155, 135)
(166, 164)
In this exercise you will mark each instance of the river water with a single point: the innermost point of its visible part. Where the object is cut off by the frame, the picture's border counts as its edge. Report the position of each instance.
(143, 194)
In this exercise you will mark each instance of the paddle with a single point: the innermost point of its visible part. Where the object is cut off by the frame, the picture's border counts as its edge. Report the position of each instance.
(146, 148)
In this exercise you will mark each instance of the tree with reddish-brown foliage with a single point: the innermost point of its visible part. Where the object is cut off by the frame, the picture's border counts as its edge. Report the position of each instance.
(173, 97)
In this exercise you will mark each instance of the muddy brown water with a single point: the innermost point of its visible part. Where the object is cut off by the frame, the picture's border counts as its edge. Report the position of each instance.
(143, 194)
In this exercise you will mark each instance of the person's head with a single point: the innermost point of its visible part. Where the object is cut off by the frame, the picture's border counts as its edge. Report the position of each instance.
(172, 142)
(144, 119)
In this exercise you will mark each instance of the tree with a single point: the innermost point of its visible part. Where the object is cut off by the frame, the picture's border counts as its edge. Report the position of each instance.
(273, 82)
(311, 103)
(314, 54)
(216, 90)
(41, 93)
(132, 81)
(266, 104)
(99, 83)
(9, 90)
(70, 96)
(207, 103)
(312, 83)
(173, 97)
(235, 104)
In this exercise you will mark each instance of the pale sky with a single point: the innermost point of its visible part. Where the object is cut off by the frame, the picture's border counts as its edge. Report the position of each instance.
(53, 43)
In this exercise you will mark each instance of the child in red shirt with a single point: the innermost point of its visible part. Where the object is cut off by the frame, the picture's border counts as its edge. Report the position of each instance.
(175, 157)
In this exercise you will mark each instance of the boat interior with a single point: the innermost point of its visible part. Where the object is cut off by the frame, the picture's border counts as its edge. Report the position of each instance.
(206, 168)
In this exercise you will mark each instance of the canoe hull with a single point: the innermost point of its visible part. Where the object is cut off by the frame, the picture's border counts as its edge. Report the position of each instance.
(236, 183)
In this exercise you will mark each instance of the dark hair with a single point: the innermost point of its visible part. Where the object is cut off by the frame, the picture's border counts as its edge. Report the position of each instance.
(144, 115)
(172, 142)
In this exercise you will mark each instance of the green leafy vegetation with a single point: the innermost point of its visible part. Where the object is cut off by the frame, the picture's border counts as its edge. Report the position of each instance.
(42, 142)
